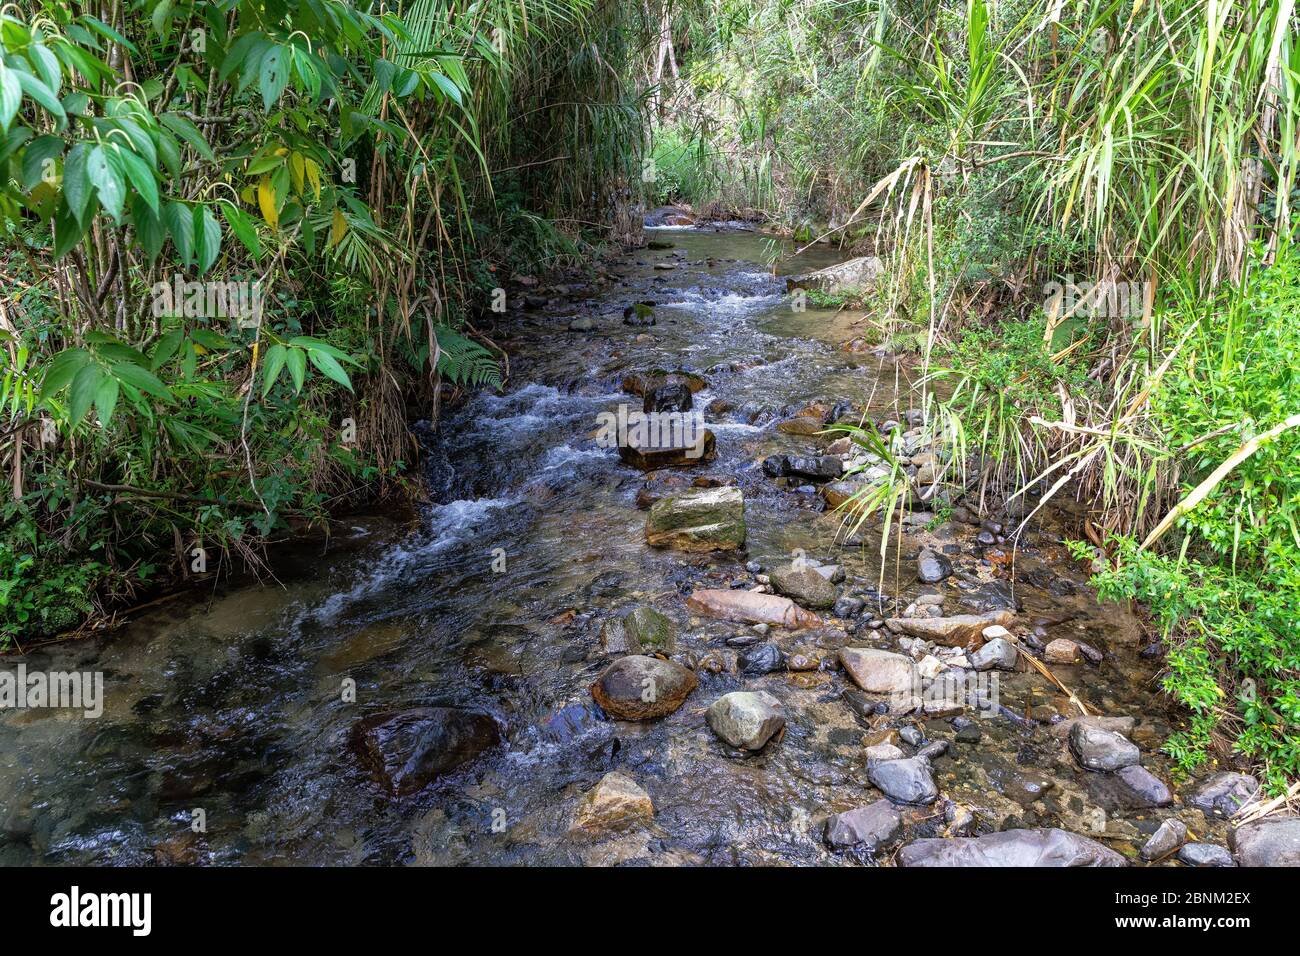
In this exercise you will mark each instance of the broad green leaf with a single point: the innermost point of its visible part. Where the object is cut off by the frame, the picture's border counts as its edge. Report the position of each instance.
(274, 362)
(106, 399)
(67, 230)
(273, 77)
(188, 132)
(149, 228)
(42, 94)
(207, 233)
(180, 224)
(61, 370)
(296, 359)
(141, 177)
(165, 348)
(39, 160)
(76, 179)
(85, 385)
(107, 181)
(242, 226)
(142, 379)
(330, 367)
(11, 95)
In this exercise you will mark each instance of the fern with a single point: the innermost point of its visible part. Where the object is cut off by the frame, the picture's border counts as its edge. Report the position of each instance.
(465, 362)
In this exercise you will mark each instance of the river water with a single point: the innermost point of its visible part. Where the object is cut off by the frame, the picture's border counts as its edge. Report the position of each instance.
(231, 703)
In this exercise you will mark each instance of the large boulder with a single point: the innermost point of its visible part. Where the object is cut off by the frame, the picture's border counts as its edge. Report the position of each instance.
(1018, 848)
(852, 275)
(1224, 793)
(642, 630)
(746, 719)
(880, 672)
(751, 607)
(805, 585)
(701, 519)
(1099, 749)
(903, 781)
(960, 630)
(407, 749)
(1273, 841)
(642, 688)
(616, 802)
(872, 828)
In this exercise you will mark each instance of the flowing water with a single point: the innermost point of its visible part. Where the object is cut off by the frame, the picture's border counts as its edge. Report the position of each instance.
(232, 703)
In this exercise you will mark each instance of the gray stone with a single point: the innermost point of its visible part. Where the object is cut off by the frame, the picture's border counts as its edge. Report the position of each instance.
(805, 585)
(931, 568)
(746, 719)
(642, 630)
(998, 653)
(1171, 835)
(873, 828)
(1018, 848)
(848, 606)
(1145, 788)
(903, 781)
(642, 688)
(851, 275)
(1205, 854)
(1273, 841)
(1224, 793)
(1098, 749)
(761, 659)
(880, 672)
(701, 519)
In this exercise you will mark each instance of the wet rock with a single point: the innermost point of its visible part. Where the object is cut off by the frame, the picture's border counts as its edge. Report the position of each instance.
(703, 519)
(931, 568)
(745, 719)
(751, 607)
(1224, 793)
(960, 630)
(933, 750)
(639, 314)
(642, 630)
(805, 585)
(1205, 854)
(903, 781)
(1090, 653)
(838, 493)
(1273, 841)
(1169, 837)
(1062, 651)
(1019, 848)
(968, 735)
(801, 425)
(857, 274)
(1098, 749)
(683, 447)
(880, 672)
(848, 606)
(669, 397)
(582, 324)
(761, 659)
(407, 749)
(998, 653)
(1115, 724)
(911, 735)
(873, 828)
(884, 752)
(616, 802)
(642, 688)
(1145, 788)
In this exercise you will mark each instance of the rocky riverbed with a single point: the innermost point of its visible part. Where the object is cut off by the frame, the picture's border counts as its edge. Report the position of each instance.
(571, 659)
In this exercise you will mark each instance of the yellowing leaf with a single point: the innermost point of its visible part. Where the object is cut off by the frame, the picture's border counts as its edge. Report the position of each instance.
(249, 194)
(266, 202)
(313, 174)
(338, 227)
(296, 171)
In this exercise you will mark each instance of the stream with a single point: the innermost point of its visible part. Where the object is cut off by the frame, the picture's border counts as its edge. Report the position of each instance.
(232, 701)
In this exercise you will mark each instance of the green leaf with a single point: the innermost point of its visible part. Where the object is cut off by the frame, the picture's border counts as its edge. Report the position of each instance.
(85, 385)
(331, 368)
(165, 348)
(11, 96)
(242, 226)
(106, 399)
(271, 368)
(208, 233)
(141, 177)
(41, 94)
(67, 231)
(37, 157)
(76, 179)
(307, 342)
(273, 77)
(180, 223)
(107, 181)
(148, 227)
(142, 379)
(47, 66)
(187, 131)
(61, 370)
(296, 359)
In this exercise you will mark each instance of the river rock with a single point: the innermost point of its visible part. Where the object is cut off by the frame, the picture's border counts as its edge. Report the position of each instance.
(672, 451)
(880, 672)
(745, 719)
(1062, 651)
(761, 659)
(805, 585)
(1224, 793)
(802, 425)
(998, 653)
(1115, 724)
(616, 802)
(1169, 837)
(1273, 841)
(903, 781)
(960, 630)
(838, 493)
(853, 275)
(1144, 787)
(848, 607)
(1098, 749)
(701, 519)
(1019, 848)
(642, 630)
(883, 752)
(407, 749)
(874, 827)
(1205, 854)
(931, 568)
(668, 397)
(751, 607)
(642, 688)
